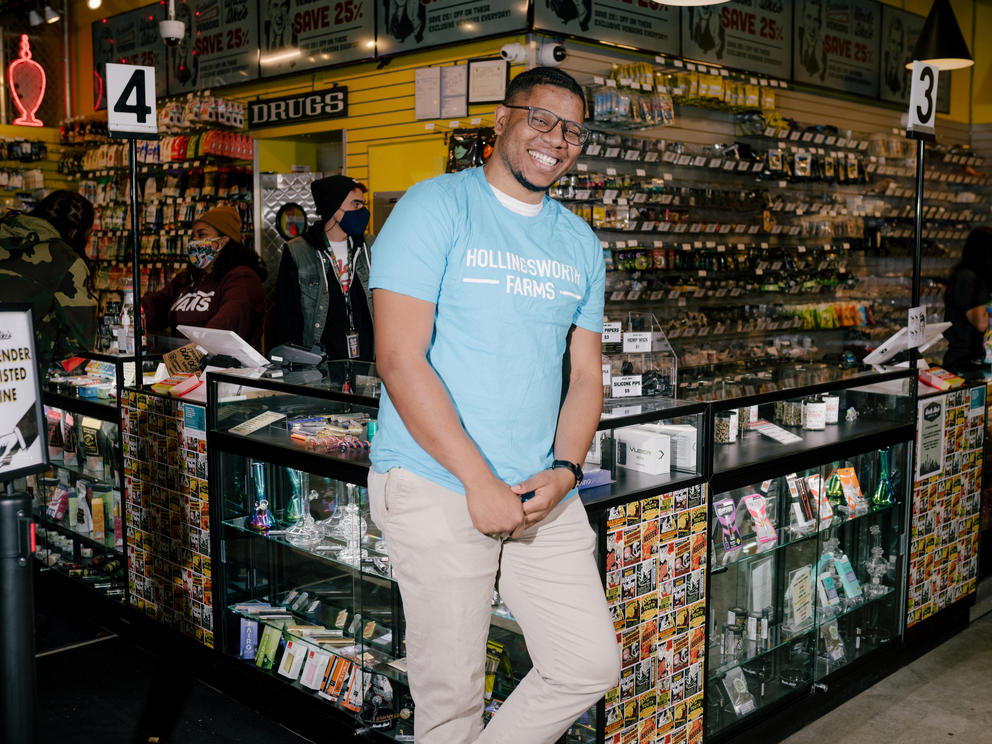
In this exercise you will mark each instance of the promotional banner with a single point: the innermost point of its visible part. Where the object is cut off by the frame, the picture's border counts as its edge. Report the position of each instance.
(302, 34)
(836, 44)
(130, 38)
(743, 34)
(900, 30)
(638, 23)
(220, 46)
(414, 24)
(22, 427)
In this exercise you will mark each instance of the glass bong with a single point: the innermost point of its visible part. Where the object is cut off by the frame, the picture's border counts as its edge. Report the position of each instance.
(351, 528)
(261, 519)
(876, 566)
(303, 531)
(885, 492)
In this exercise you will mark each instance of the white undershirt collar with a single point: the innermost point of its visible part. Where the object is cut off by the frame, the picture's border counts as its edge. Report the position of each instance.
(515, 205)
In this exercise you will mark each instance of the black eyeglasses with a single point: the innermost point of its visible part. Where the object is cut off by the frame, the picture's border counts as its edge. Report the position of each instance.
(543, 120)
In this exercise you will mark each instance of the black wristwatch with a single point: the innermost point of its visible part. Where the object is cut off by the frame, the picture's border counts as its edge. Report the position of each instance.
(576, 470)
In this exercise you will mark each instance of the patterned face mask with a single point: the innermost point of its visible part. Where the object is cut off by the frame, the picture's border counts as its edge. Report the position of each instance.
(202, 252)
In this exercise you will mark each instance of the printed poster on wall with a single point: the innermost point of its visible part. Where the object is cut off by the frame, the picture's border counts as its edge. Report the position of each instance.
(743, 34)
(220, 47)
(22, 426)
(638, 23)
(930, 437)
(130, 38)
(302, 34)
(413, 24)
(900, 30)
(836, 44)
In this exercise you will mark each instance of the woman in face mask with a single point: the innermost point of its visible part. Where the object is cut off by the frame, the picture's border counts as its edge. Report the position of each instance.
(221, 287)
(323, 300)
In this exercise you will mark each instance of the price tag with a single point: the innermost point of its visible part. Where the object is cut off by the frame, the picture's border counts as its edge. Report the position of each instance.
(607, 374)
(917, 325)
(923, 98)
(638, 341)
(626, 386)
(611, 333)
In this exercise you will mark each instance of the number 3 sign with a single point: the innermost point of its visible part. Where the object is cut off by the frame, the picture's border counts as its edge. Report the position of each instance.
(131, 101)
(923, 98)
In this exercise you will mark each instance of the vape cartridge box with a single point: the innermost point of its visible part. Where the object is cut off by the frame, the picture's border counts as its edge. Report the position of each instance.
(683, 443)
(643, 449)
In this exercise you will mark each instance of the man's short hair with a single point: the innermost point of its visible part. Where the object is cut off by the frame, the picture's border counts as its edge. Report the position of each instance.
(528, 79)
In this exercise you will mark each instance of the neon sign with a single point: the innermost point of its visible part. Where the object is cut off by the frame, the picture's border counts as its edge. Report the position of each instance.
(27, 85)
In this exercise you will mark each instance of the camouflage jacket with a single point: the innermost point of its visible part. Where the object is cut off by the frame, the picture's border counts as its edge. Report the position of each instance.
(39, 268)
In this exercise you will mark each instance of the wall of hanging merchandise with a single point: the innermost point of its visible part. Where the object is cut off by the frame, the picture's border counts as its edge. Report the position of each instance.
(28, 170)
(200, 161)
(751, 236)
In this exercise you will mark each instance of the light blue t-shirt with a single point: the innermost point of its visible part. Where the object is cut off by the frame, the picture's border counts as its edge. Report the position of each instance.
(507, 288)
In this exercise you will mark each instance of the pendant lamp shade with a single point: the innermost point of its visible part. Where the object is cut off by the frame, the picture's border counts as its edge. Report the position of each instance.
(941, 42)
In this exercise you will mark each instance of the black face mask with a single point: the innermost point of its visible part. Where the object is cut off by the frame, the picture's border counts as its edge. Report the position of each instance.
(355, 222)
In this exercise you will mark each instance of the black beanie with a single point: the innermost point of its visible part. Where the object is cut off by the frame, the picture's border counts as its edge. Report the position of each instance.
(69, 213)
(329, 194)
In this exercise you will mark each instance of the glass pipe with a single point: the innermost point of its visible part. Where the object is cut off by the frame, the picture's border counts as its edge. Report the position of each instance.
(297, 502)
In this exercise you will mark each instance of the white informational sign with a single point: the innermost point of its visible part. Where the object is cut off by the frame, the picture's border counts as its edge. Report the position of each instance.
(636, 341)
(611, 333)
(923, 98)
(131, 100)
(626, 386)
(917, 326)
(930, 437)
(22, 425)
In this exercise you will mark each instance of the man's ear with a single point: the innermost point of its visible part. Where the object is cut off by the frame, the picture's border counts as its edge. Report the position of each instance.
(500, 116)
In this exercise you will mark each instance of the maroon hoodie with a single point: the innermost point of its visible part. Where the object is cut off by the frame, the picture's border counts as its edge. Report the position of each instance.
(234, 301)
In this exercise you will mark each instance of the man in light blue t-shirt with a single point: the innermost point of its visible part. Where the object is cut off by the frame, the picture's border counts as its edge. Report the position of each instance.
(483, 287)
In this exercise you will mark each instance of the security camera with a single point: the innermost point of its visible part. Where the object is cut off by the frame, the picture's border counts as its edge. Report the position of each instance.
(513, 52)
(172, 32)
(551, 55)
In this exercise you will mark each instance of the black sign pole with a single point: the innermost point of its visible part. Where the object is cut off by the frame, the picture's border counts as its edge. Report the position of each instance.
(18, 704)
(139, 377)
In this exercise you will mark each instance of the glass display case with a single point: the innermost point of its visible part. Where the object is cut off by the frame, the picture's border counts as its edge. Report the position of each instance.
(305, 589)
(807, 539)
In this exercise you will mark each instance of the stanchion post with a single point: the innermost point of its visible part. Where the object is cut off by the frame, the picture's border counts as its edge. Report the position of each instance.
(18, 699)
(139, 377)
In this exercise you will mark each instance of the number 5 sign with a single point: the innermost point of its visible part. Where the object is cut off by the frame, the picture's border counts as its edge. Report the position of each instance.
(131, 101)
(923, 98)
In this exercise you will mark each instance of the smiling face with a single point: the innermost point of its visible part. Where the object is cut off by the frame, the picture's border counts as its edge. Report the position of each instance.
(526, 162)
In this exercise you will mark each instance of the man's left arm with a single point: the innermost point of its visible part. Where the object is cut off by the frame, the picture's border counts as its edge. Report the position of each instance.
(577, 421)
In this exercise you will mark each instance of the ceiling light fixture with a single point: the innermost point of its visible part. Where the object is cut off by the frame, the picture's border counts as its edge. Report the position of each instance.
(941, 42)
(51, 15)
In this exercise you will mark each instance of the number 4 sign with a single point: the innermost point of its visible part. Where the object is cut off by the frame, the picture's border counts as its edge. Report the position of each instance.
(923, 98)
(131, 101)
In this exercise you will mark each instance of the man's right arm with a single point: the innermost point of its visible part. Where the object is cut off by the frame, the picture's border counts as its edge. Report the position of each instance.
(403, 329)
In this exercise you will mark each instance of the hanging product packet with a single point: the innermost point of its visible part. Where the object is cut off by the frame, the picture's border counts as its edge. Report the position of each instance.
(764, 530)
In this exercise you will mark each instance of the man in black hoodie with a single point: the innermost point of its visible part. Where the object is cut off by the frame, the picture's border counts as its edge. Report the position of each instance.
(322, 294)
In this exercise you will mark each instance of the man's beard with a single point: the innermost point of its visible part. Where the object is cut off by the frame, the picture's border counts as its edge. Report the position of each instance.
(522, 179)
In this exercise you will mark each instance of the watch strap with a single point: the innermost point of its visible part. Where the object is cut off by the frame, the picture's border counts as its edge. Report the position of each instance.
(571, 466)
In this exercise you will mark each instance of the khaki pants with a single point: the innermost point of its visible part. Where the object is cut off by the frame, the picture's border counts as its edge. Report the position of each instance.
(446, 570)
